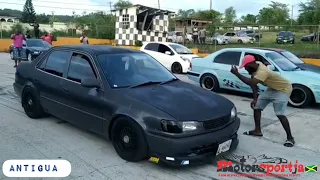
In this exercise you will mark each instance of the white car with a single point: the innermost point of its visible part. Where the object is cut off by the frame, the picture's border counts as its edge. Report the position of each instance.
(175, 57)
(238, 38)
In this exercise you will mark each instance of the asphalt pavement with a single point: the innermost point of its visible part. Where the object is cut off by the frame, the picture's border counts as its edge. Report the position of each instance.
(94, 158)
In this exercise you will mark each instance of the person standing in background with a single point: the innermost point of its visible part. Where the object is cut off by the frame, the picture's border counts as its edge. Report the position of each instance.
(18, 39)
(47, 37)
(28, 36)
(84, 39)
(195, 35)
(202, 36)
(36, 30)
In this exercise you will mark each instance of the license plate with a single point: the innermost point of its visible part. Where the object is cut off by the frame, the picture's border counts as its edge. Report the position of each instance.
(284, 40)
(223, 147)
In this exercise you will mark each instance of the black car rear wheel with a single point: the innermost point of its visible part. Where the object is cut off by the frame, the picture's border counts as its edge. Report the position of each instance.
(301, 97)
(129, 140)
(31, 103)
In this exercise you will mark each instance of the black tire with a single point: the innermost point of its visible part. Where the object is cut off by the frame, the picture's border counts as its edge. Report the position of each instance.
(31, 103)
(292, 42)
(215, 42)
(301, 97)
(176, 68)
(257, 38)
(209, 82)
(240, 41)
(129, 140)
(169, 40)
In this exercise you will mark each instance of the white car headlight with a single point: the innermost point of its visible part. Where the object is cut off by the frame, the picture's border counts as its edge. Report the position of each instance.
(233, 112)
(190, 126)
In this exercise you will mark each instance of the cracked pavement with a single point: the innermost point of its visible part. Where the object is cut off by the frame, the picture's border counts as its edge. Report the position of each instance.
(94, 158)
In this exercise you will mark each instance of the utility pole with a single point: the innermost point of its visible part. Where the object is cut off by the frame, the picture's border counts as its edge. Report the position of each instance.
(110, 4)
(159, 4)
(210, 4)
(292, 14)
(52, 18)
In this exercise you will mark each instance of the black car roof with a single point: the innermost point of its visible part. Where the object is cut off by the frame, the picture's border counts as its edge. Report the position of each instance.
(98, 49)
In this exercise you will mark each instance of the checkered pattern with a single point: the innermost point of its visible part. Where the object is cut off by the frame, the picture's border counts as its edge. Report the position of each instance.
(127, 33)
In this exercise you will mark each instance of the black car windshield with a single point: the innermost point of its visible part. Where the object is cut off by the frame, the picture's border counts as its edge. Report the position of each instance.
(181, 49)
(38, 43)
(285, 34)
(281, 61)
(293, 58)
(131, 69)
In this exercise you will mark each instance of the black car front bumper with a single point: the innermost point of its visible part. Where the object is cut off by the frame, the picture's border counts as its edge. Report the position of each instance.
(191, 150)
(283, 41)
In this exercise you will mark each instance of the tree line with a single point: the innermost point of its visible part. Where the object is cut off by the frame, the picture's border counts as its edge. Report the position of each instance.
(102, 25)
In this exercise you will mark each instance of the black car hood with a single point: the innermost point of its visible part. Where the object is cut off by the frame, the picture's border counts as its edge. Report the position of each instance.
(309, 67)
(37, 48)
(183, 101)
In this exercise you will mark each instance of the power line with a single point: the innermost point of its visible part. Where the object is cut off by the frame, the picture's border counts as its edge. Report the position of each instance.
(50, 7)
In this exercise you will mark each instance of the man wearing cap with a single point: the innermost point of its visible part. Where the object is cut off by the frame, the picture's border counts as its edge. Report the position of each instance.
(278, 92)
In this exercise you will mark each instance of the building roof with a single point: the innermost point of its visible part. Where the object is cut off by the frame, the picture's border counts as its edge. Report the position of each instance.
(98, 49)
(146, 7)
(190, 18)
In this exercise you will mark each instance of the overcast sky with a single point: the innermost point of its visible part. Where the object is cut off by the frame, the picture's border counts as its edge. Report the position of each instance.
(67, 6)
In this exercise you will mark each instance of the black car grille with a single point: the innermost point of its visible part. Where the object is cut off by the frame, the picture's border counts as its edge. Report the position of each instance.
(215, 123)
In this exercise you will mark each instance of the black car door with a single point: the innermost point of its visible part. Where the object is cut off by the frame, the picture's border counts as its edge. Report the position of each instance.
(47, 79)
(84, 104)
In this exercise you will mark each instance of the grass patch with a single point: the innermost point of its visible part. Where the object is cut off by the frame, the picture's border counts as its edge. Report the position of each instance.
(302, 49)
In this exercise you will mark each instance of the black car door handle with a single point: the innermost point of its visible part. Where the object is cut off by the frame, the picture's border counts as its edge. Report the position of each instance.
(65, 90)
(35, 79)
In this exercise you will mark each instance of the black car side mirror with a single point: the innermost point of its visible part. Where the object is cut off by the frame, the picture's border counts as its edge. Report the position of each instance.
(90, 82)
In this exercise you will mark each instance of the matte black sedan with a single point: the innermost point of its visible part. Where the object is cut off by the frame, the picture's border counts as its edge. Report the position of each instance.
(297, 61)
(129, 97)
(32, 48)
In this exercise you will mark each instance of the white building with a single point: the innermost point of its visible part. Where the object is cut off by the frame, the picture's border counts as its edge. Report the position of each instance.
(141, 23)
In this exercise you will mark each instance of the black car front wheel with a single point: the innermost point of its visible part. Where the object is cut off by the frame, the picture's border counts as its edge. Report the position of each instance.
(31, 103)
(129, 140)
(301, 97)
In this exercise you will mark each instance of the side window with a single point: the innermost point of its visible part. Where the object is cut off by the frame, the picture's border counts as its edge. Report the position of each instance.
(56, 62)
(163, 48)
(228, 34)
(229, 58)
(233, 34)
(152, 47)
(259, 58)
(80, 67)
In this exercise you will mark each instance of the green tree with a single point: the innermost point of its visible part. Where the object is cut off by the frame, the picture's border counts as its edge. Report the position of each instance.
(28, 14)
(309, 13)
(186, 13)
(230, 15)
(121, 4)
(276, 14)
(248, 19)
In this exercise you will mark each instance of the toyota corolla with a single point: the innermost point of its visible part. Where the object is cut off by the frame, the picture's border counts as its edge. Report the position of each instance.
(130, 98)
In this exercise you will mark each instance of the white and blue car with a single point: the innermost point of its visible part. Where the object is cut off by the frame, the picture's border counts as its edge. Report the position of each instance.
(213, 73)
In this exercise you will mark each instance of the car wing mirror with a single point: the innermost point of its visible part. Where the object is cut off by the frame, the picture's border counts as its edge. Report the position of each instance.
(90, 82)
(168, 53)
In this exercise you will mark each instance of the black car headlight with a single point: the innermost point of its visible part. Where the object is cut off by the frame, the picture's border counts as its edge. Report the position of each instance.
(233, 113)
(180, 127)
